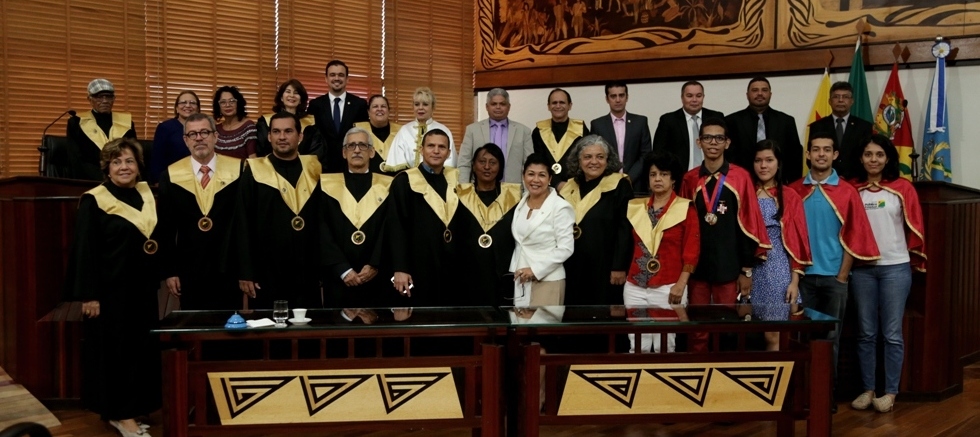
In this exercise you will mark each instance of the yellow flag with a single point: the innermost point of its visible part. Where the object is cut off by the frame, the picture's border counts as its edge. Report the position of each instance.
(821, 109)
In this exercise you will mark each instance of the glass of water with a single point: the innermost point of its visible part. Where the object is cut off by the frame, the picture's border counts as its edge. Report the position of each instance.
(280, 312)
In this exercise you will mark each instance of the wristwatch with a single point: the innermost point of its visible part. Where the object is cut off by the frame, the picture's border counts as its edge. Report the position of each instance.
(747, 273)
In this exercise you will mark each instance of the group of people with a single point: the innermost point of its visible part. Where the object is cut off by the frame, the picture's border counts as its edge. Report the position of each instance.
(367, 214)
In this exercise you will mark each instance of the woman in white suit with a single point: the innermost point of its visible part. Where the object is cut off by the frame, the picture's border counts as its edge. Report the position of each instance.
(542, 230)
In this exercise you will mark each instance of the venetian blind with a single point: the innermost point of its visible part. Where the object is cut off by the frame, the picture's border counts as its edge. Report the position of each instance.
(430, 43)
(51, 50)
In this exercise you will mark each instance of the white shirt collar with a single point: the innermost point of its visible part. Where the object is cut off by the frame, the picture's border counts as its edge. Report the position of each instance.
(196, 166)
(343, 97)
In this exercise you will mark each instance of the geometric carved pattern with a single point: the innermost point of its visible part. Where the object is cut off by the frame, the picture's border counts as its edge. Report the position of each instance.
(399, 388)
(760, 381)
(619, 384)
(322, 390)
(692, 382)
(243, 392)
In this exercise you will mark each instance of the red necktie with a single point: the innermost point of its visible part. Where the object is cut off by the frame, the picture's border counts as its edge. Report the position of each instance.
(207, 177)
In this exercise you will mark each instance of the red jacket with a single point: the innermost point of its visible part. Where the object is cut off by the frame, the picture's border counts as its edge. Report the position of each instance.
(796, 240)
(679, 242)
(856, 235)
(749, 215)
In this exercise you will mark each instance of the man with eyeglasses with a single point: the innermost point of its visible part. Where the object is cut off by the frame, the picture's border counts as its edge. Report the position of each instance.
(90, 131)
(353, 209)
(849, 129)
(278, 230)
(733, 234)
(335, 113)
(197, 198)
(759, 122)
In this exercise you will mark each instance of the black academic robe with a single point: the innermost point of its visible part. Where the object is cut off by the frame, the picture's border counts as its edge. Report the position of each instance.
(312, 143)
(347, 198)
(542, 135)
(483, 268)
(282, 259)
(198, 252)
(381, 146)
(417, 235)
(108, 264)
(87, 133)
(604, 243)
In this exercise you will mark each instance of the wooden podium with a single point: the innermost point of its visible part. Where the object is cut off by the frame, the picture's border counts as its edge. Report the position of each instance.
(942, 327)
(37, 221)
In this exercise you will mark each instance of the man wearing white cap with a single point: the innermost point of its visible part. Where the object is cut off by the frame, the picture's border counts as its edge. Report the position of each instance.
(89, 131)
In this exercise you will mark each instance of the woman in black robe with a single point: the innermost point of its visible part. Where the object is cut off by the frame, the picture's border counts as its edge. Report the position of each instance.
(112, 272)
(599, 193)
(485, 244)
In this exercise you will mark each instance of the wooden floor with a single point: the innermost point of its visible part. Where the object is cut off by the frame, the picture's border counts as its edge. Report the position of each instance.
(957, 416)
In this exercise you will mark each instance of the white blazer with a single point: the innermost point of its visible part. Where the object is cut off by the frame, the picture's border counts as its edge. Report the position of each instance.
(547, 241)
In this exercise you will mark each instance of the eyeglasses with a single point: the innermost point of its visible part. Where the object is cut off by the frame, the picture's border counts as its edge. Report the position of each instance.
(104, 98)
(227, 102)
(713, 138)
(186, 103)
(201, 133)
(841, 97)
(357, 146)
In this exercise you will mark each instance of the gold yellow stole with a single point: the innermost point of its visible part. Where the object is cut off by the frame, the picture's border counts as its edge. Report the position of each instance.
(650, 235)
(144, 219)
(488, 216)
(558, 148)
(358, 212)
(445, 210)
(573, 194)
(182, 175)
(380, 147)
(121, 123)
(305, 122)
(294, 197)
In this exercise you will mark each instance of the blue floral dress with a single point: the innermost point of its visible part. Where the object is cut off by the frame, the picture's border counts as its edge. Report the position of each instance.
(771, 278)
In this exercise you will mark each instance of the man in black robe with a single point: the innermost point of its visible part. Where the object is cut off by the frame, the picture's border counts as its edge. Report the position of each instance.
(353, 211)
(420, 227)
(197, 197)
(553, 138)
(278, 235)
(90, 131)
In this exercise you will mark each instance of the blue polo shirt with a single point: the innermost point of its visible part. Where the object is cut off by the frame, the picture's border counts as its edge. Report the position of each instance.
(824, 228)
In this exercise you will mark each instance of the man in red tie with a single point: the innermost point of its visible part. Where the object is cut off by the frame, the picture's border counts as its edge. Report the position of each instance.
(197, 197)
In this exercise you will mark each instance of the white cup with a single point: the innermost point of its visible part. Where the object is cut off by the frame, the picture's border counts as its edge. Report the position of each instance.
(299, 313)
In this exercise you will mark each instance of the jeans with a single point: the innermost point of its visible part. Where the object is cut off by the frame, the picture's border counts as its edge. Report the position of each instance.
(829, 296)
(880, 293)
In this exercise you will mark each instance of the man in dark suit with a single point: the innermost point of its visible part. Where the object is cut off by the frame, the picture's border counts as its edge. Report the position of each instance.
(335, 113)
(848, 129)
(629, 133)
(758, 122)
(677, 131)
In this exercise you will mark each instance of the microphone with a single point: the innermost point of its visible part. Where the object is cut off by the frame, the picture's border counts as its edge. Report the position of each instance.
(42, 164)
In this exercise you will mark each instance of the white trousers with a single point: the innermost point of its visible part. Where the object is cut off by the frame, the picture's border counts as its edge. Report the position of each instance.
(657, 297)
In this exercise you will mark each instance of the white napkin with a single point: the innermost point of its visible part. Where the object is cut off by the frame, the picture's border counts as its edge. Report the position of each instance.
(260, 323)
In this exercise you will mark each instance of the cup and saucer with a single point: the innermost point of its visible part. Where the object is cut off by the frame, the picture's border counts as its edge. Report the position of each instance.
(299, 317)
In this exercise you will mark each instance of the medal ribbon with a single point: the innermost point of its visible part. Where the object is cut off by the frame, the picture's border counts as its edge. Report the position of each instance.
(713, 201)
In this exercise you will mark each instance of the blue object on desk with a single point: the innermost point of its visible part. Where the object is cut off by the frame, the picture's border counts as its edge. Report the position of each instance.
(236, 322)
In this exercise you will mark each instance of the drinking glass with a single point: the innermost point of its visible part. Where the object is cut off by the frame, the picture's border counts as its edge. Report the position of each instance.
(280, 312)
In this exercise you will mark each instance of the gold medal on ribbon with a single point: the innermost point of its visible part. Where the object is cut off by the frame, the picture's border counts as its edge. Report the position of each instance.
(711, 218)
(485, 241)
(150, 246)
(298, 223)
(448, 235)
(204, 224)
(653, 266)
(556, 167)
(357, 237)
(576, 232)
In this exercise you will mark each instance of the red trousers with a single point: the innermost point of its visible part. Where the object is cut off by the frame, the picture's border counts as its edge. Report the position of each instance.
(705, 293)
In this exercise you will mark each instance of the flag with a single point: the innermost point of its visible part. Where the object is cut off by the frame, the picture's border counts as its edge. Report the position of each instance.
(858, 81)
(892, 121)
(821, 108)
(936, 165)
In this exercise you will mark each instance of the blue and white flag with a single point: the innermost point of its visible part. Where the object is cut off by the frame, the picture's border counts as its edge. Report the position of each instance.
(936, 157)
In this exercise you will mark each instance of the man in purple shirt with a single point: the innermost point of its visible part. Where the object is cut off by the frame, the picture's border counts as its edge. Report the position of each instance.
(513, 138)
